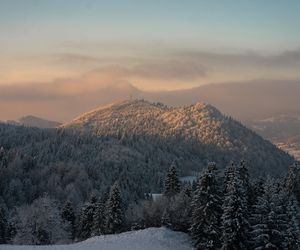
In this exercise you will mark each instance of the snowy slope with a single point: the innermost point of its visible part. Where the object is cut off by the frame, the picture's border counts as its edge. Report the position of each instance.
(148, 239)
(201, 122)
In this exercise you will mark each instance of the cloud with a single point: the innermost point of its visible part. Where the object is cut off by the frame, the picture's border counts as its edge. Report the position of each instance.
(288, 57)
(250, 58)
(177, 66)
(61, 99)
(74, 58)
(166, 70)
(108, 79)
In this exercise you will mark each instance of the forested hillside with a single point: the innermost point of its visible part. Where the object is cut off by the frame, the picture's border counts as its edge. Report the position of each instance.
(98, 172)
(133, 142)
(210, 134)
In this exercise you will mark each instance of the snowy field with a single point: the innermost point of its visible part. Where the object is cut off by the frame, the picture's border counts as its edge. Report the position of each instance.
(148, 239)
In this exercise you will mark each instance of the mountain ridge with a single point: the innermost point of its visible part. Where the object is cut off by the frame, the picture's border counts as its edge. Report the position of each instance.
(200, 123)
(34, 121)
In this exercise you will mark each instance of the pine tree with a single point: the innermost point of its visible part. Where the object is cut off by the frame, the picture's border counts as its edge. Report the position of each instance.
(292, 192)
(172, 182)
(293, 231)
(98, 219)
(115, 214)
(68, 216)
(86, 219)
(292, 181)
(242, 171)
(206, 211)
(229, 174)
(244, 187)
(3, 225)
(235, 211)
(271, 228)
(256, 191)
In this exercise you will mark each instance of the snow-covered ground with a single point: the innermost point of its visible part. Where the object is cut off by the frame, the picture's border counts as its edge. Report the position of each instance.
(148, 239)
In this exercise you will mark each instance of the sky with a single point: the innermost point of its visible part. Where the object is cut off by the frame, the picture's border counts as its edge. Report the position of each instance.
(77, 46)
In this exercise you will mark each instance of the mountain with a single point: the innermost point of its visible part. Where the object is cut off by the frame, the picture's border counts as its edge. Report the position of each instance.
(132, 142)
(200, 125)
(33, 121)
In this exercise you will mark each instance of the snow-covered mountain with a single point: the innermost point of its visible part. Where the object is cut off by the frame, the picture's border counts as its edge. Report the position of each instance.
(199, 124)
(34, 121)
(147, 239)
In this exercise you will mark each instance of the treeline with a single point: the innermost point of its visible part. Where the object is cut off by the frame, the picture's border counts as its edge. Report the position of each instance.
(219, 211)
(229, 212)
(55, 187)
(70, 166)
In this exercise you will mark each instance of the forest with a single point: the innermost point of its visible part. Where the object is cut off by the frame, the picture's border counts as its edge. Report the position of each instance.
(219, 211)
(63, 186)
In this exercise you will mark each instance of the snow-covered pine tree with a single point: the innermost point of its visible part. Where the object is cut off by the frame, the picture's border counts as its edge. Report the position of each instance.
(86, 219)
(293, 232)
(114, 213)
(242, 171)
(98, 219)
(207, 211)
(229, 174)
(172, 182)
(68, 216)
(256, 191)
(244, 187)
(291, 192)
(235, 223)
(3, 225)
(270, 222)
(292, 181)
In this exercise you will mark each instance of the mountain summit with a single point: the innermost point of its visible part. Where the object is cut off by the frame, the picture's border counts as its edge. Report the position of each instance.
(199, 127)
(141, 117)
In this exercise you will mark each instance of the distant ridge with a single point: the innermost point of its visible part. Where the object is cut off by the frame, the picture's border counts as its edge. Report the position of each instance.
(33, 121)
